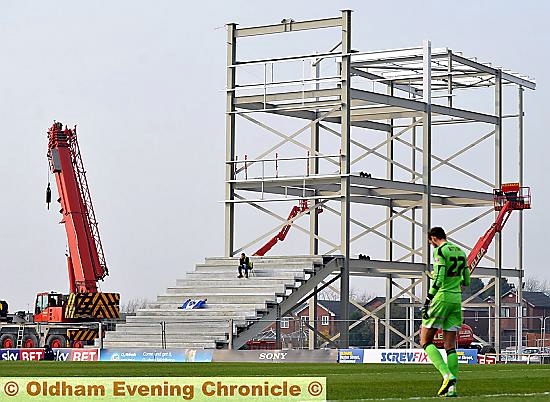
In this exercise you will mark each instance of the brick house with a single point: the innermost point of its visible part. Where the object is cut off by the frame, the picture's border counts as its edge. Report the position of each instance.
(477, 317)
(535, 309)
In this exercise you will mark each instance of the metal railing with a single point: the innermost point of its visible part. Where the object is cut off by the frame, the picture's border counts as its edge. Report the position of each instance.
(270, 168)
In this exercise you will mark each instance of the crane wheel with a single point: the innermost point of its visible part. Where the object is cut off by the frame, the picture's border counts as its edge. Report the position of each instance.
(8, 341)
(30, 341)
(57, 341)
(78, 344)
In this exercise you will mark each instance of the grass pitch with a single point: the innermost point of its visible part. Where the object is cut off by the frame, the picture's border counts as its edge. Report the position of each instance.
(370, 382)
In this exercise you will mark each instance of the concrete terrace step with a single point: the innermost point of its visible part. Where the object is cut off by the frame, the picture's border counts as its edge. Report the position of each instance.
(158, 344)
(291, 265)
(193, 321)
(219, 307)
(229, 289)
(213, 333)
(210, 281)
(156, 337)
(305, 259)
(186, 314)
(220, 298)
(251, 282)
(231, 272)
(198, 325)
(213, 275)
(235, 306)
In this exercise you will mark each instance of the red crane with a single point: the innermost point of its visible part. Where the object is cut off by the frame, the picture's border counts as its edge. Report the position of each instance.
(296, 209)
(510, 197)
(85, 259)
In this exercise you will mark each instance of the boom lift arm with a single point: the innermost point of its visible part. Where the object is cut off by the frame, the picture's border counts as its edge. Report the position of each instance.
(296, 209)
(508, 198)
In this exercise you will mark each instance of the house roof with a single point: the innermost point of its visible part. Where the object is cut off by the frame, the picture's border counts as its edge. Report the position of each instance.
(382, 299)
(334, 307)
(535, 299)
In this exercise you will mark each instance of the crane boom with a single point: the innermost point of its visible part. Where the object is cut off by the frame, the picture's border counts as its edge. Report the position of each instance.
(86, 261)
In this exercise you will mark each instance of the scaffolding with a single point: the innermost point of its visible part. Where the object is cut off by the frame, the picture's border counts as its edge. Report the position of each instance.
(346, 98)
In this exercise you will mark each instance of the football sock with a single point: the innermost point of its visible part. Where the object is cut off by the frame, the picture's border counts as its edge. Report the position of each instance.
(452, 361)
(437, 359)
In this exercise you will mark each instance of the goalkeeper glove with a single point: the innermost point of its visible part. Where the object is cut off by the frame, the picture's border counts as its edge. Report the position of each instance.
(424, 310)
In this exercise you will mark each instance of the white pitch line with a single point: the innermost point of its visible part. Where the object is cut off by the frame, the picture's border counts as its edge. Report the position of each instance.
(389, 372)
(416, 398)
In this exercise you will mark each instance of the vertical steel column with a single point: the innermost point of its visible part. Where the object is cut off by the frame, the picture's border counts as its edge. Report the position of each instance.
(389, 226)
(519, 293)
(313, 217)
(413, 230)
(376, 334)
(278, 343)
(230, 139)
(426, 161)
(314, 169)
(498, 183)
(387, 314)
(344, 178)
(389, 176)
(450, 78)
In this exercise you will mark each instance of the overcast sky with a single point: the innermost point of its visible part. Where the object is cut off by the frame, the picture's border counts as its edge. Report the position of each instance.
(144, 82)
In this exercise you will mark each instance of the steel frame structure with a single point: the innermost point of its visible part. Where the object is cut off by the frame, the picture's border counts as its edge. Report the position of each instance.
(394, 93)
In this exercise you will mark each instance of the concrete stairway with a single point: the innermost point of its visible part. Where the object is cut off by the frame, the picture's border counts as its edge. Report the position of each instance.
(242, 300)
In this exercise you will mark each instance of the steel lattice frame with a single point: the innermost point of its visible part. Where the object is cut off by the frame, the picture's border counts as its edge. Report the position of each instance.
(331, 106)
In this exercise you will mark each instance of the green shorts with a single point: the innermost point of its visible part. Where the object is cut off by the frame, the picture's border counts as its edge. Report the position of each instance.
(443, 315)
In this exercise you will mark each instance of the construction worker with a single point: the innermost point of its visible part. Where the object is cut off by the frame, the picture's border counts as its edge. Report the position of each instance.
(244, 263)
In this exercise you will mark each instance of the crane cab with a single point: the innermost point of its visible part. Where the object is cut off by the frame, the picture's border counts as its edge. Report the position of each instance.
(56, 307)
(49, 307)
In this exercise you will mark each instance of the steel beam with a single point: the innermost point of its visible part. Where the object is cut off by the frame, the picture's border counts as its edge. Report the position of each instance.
(378, 78)
(493, 71)
(288, 96)
(289, 25)
(411, 105)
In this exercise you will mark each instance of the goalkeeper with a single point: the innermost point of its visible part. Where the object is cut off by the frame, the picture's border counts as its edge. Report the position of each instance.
(442, 309)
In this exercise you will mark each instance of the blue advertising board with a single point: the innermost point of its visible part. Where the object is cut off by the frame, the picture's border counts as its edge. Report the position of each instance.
(156, 355)
(467, 356)
(350, 355)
